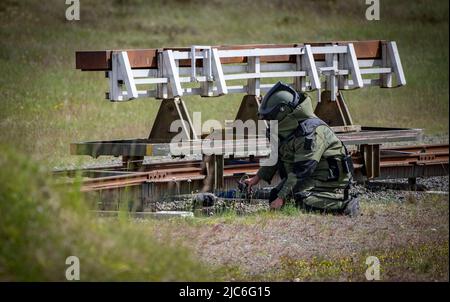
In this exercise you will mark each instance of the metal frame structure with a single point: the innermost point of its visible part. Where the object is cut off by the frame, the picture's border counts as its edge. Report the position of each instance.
(170, 74)
(341, 70)
(210, 71)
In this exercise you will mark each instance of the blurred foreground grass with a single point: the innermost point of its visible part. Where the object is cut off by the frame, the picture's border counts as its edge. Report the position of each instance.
(46, 103)
(41, 225)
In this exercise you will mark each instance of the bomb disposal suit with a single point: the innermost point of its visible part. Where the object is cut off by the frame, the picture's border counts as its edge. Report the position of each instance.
(314, 165)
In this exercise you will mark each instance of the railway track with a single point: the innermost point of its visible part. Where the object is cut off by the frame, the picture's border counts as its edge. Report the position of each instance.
(188, 175)
(329, 66)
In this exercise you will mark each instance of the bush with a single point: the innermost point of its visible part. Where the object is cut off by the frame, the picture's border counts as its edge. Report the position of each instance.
(42, 223)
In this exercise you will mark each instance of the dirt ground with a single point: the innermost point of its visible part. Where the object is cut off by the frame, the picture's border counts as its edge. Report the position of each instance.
(264, 245)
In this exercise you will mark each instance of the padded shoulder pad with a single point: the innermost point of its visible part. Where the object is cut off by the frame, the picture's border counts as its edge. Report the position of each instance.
(307, 127)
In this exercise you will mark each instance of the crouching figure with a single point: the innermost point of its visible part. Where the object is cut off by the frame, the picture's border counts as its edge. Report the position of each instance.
(314, 165)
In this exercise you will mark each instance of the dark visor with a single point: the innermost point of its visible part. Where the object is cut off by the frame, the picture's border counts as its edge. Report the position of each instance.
(270, 113)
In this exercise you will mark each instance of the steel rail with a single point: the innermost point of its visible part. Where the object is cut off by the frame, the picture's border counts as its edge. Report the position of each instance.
(395, 162)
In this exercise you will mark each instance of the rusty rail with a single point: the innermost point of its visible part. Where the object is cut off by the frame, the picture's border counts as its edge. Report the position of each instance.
(395, 162)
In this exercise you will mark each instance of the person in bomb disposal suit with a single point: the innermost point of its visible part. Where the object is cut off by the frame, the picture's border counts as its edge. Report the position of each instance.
(314, 165)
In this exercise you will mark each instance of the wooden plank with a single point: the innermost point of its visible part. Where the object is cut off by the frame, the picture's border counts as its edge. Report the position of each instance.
(101, 59)
(147, 58)
(368, 49)
(93, 60)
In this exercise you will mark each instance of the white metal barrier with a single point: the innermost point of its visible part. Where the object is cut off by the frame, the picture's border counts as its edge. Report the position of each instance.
(341, 70)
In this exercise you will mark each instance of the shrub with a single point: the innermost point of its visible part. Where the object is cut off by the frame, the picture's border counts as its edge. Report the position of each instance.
(42, 223)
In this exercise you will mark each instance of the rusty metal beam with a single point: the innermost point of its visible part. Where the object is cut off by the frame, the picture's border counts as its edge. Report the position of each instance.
(147, 58)
(188, 175)
(146, 147)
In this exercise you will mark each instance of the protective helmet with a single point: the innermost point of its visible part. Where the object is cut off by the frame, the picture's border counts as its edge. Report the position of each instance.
(280, 100)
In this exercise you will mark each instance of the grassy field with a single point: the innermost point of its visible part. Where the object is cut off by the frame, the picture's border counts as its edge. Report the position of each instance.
(46, 103)
(41, 224)
(409, 238)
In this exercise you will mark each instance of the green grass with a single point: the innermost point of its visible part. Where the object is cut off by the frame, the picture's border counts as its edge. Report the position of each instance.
(426, 260)
(425, 263)
(46, 103)
(42, 223)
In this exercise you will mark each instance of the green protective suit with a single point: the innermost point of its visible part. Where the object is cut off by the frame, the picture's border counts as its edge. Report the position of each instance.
(311, 167)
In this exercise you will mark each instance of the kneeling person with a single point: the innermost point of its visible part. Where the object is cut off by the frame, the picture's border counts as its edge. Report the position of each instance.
(314, 165)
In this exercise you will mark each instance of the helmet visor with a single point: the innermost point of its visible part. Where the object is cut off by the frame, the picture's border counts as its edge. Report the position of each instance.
(269, 113)
(266, 112)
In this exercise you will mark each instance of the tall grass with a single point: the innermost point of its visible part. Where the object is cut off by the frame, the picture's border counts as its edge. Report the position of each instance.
(41, 224)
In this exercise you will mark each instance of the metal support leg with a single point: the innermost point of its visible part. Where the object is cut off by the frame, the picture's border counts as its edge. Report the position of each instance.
(412, 183)
(169, 111)
(213, 168)
(132, 163)
(248, 110)
(335, 113)
(371, 156)
(218, 172)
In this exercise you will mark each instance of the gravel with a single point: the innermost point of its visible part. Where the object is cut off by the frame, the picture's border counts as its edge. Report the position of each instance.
(381, 192)
(220, 206)
(258, 244)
